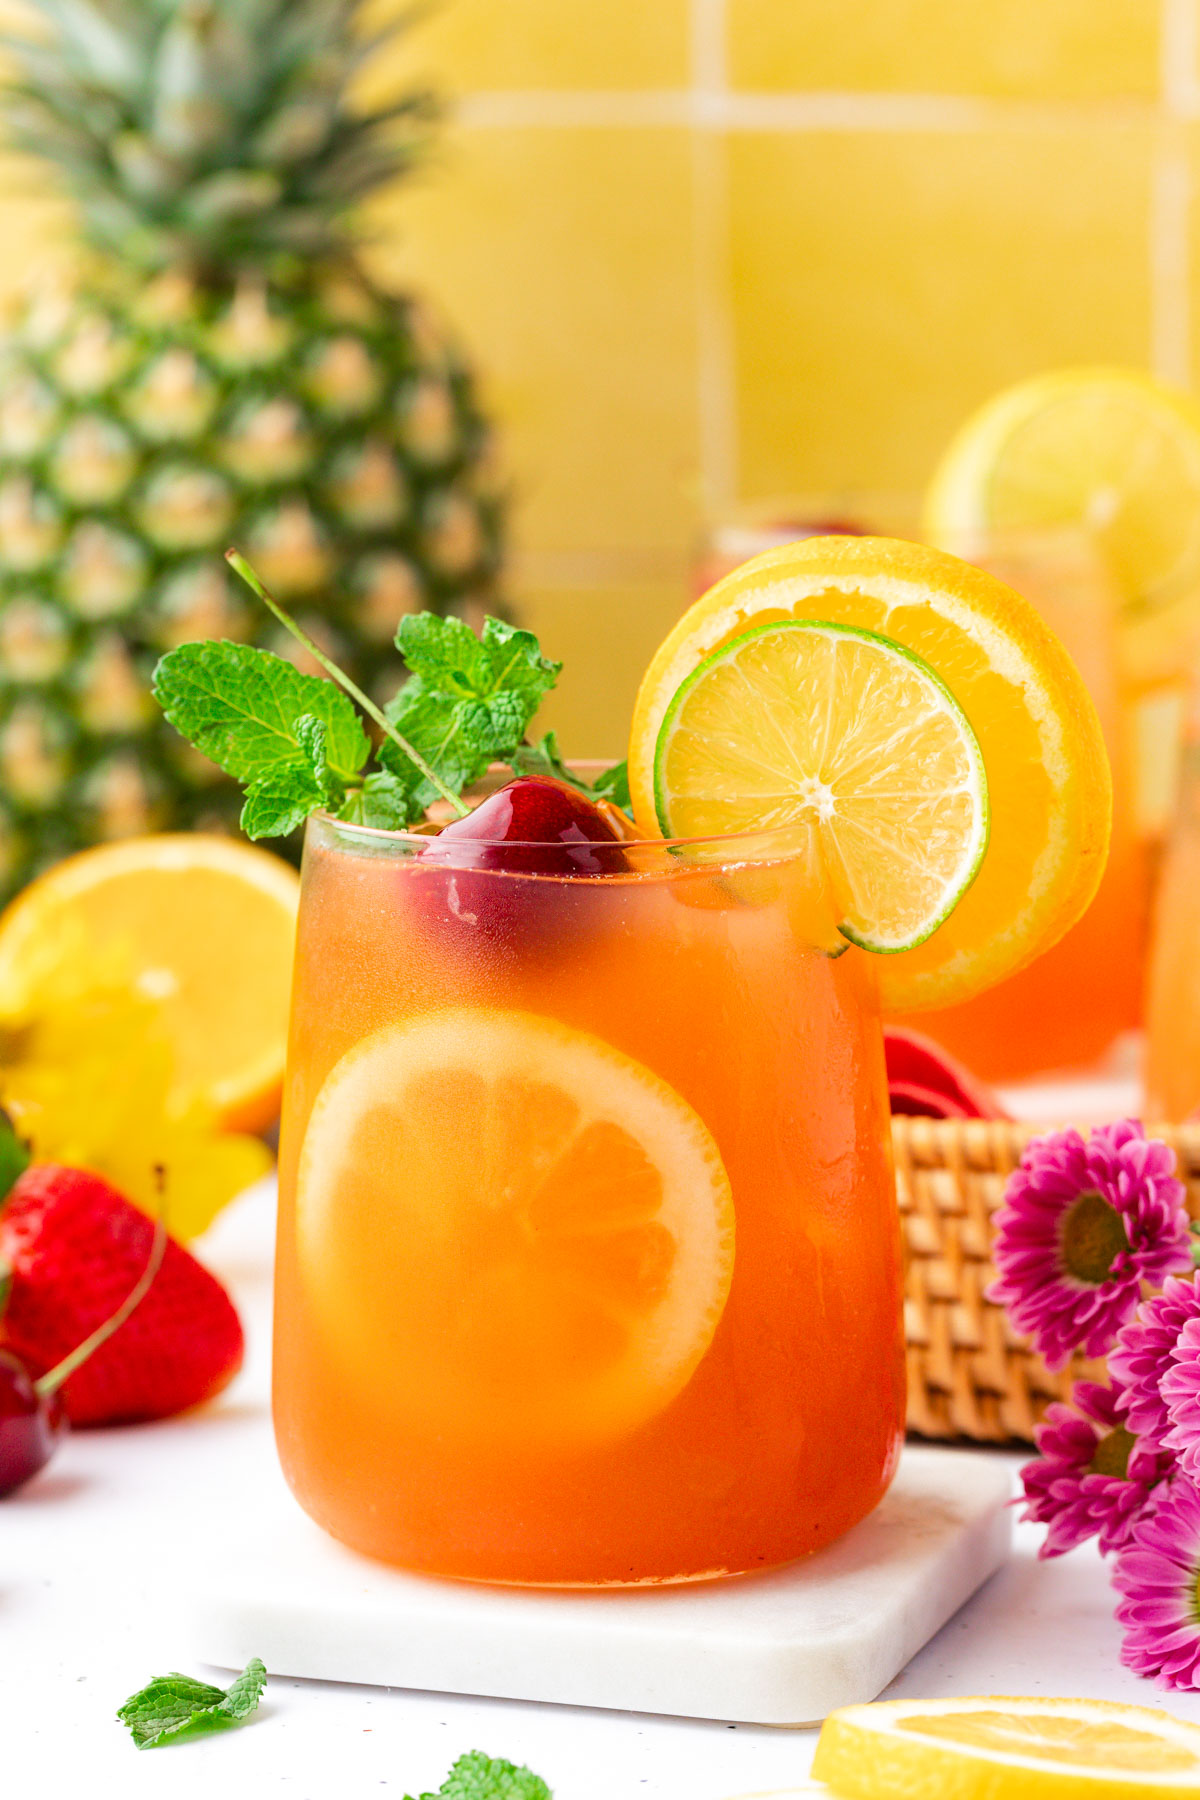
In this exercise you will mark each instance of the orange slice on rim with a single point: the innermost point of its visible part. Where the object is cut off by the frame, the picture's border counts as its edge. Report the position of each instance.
(1047, 778)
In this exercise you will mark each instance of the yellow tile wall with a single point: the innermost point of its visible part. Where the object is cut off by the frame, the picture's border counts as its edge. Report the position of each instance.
(884, 284)
(1045, 49)
(718, 257)
(728, 257)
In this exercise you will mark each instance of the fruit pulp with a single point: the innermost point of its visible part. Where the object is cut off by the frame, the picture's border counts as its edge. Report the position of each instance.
(728, 1393)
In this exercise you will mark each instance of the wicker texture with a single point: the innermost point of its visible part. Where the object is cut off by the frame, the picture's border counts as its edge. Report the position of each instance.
(969, 1375)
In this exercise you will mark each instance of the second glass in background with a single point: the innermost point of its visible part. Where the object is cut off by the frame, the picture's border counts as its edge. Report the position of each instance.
(1070, 1007)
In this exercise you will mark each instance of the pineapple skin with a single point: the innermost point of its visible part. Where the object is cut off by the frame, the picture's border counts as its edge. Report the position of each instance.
(328, 429)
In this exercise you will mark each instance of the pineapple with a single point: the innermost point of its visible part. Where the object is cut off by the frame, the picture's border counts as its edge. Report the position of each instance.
(224, 371)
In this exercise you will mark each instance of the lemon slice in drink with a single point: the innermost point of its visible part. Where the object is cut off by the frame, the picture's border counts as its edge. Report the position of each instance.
(1108, 449)
(1007, 1749)
(847, 727)
(515, 1232)
(1048, 788)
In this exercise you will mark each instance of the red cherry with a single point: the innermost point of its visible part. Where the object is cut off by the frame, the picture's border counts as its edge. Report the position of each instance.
(534, 825)
(31, 1424)
(461, 883)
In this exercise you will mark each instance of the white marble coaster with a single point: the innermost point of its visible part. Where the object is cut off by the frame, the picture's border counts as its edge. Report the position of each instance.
(783, 1648)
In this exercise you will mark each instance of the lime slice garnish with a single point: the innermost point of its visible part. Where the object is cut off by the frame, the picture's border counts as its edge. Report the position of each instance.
(809, 720)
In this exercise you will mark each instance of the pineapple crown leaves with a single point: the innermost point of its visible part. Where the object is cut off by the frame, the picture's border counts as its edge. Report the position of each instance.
(220, 134)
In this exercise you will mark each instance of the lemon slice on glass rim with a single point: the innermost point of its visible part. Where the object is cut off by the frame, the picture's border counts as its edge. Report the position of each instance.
(810, 716)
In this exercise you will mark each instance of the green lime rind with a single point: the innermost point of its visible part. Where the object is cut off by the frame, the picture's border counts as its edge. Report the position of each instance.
(863, 940)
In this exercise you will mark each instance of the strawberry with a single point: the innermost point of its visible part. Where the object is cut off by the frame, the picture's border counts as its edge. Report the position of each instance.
(76, 1247)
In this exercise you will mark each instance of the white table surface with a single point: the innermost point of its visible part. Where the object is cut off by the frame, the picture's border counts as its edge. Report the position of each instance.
(93, 1559)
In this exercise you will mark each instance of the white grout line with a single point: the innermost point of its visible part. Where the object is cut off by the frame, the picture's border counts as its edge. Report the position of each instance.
(716, 370)
(536, 106)
(1179, 59)
(709, 71)
(716, 373)
(1171, 196)
(1170, 258)
(713, 107)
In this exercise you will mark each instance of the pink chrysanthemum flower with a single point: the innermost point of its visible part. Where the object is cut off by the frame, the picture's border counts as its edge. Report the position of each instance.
(1158, 1576)
(1081, 1228)
(1092, 1478)
(1144, 1352)
(1181, 1393)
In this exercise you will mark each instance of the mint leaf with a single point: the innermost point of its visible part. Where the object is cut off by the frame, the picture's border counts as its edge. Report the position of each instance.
(177, 1705)
(243, 1695)
(312, 734)
(545, 758)
(279, 803)
(480, 1777)
(384, 801)
(613, 785)
(241, 707)
(446, 656)
(468, 700)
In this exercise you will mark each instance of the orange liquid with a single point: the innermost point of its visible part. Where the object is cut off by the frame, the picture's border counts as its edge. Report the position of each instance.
(788, 1430)
(1173, 989)
(1066, 1009)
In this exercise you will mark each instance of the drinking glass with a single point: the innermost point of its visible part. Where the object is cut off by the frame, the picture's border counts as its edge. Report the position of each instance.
(589, 1257)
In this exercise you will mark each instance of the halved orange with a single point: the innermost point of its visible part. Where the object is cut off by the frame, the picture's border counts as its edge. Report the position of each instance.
(202, 927)
(1047, 777)
(511, 1229)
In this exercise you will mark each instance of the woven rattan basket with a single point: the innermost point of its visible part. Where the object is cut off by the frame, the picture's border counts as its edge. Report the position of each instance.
(969, 1375)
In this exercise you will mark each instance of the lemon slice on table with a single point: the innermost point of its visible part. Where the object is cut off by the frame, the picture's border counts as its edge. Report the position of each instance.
(1007, 1749)
(200, 927)
(514, 1231)
(1049, 796)
(810, 717)
(1107, 449)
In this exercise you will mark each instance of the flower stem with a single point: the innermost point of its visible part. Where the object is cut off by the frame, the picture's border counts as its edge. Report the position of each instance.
(238, 563)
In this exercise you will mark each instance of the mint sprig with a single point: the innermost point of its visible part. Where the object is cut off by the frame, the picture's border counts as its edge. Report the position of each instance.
(477, 1776)
(467, 702)
(174, 1706)
(297, 742)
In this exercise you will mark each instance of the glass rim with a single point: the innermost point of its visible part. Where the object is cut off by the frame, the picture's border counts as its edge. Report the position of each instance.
(377, 834)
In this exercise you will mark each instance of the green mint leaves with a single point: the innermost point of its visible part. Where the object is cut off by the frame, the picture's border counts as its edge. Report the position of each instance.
(178, 1706)
(467, 702)
(174, 1706)
(297, 742)
(480, 1777)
